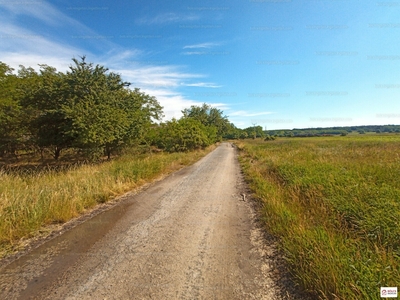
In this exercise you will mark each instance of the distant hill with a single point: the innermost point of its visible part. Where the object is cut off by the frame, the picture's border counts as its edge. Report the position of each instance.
(320, 131)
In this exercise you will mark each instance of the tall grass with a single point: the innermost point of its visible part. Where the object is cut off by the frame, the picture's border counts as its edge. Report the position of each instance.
(335, 203)
(28, 202)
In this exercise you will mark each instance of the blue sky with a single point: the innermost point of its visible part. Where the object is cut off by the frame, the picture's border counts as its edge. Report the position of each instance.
(280, 64)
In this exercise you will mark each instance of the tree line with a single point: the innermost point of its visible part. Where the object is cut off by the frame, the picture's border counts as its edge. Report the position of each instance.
(94, 112)
(329, 131)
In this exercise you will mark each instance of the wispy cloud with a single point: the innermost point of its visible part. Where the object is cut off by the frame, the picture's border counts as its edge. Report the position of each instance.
(207, 53)
(157, 76)
(174, 102)
(120, 58)
(44, 12)
(243, 113)
(204, 84)
(21, 45)
(202, 45)
(193, 53)
(167, 18)
(16, 37)
(163, 82)
(39, 10)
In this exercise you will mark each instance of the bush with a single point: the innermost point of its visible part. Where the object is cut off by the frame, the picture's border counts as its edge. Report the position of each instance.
(184, 135)
(269, 138)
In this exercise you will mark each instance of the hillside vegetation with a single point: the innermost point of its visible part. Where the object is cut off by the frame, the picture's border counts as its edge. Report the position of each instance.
(329, 131)
(335, 204)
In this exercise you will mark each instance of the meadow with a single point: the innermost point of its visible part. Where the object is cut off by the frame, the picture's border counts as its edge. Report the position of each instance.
(33, 200)
(334, 203)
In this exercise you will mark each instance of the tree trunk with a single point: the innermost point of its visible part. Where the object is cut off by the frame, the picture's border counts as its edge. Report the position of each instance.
(108, 152)
(57, 152)
(41, 154)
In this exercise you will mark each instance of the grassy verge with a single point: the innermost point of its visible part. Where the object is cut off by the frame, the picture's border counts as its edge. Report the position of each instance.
(335, 204)
(29, 202)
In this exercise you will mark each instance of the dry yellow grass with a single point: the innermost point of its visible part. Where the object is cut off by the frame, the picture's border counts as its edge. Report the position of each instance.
(29, 202)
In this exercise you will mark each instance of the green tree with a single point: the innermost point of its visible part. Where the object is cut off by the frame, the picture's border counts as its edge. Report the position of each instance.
(255, 132)
(43, 97)
(91, 103)
(88, 108)
(232, 132)
(11, 125)
(143, 111)
(184, 134)
(269, 138)
(244, 134)
(105, 113)
(210, 117)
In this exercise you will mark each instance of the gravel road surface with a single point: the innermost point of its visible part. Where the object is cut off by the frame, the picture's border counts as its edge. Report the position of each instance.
(192, 235)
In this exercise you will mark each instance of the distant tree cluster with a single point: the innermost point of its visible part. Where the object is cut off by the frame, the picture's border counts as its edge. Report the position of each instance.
(199, 127)
(330, 131)
(252, 132)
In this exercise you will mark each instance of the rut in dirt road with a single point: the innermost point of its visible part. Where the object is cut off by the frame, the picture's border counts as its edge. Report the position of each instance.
(189, 236)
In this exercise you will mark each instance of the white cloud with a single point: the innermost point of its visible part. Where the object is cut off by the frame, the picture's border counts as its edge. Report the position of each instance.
(193, 53)
(120, 58)
(21, 46)
(240, 124)
(163, 82)
(44, 12)
(167, 18)
(202, 45)
(39, 10)
(207, 53)
(174, 102)
(13, 26)
(243, 113)
(156, 76)
(222, 106)
(204, 84)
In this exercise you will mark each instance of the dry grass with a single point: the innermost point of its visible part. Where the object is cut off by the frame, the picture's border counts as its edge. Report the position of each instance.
(335, 203)
(29, 201)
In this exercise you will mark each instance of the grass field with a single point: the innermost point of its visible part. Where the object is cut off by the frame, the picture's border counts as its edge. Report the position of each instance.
(31, 200)
(335, 204)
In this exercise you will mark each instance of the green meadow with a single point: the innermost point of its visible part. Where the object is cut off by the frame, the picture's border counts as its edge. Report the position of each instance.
(334, 203)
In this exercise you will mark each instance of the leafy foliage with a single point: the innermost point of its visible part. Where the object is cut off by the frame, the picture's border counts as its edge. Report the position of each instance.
(210, 117)
(11, 129)
(184, 134)
(92, 110)
(86, 108)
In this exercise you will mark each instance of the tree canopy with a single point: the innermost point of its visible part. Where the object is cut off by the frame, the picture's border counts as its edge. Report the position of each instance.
(86, 108)
(90, 110)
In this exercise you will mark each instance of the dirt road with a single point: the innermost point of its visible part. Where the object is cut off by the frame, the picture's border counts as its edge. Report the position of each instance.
(189, 236)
